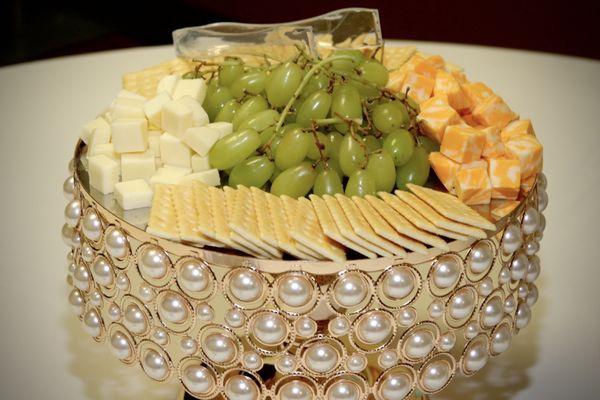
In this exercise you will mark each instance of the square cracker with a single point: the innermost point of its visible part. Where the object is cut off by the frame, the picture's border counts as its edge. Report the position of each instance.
(450, 207)
(204, 220)
(404, 227)
(331, 229)
(187, 217)
(163, 218)
(266, 230)
(437, 219)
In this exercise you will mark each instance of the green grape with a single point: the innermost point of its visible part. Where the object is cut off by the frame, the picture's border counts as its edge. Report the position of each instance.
(356, 58)
(365, 91)
(261, 120)
(372, 143)
(266, 135)
(275, 174)
(428, 144)
(327, 182)
(316, 106)
(313, 150)
(360, 183)
(293, 148)
(295, 181)
(389, 116)
(289, 127)
(330, 163)
(373, 72)
(416, 170)
(233, 149)
(231, 69)
(382, 169)
(400, 143)
(351, 155)
(216, 97)
(283, 82)
(346, 103)
(251, 82)
(316, 82)
(275, 145)
(252, 106)
(227, 113)
(253, 171)
(335, 140)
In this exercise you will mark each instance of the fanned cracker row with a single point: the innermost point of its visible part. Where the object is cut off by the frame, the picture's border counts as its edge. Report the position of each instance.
(187, 217)
(204, 218)
(266, 230)
(144, 82)
(163, 218)
(450, 207)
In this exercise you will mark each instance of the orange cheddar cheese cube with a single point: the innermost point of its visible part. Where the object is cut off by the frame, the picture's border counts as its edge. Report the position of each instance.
(493, 111)
(430, 66)
(435, 116)
(527, 183)
(473, 186)
(517, 128)
(460, 77)
(447, 84)
(469, 120)
(528, 150)
(505, 178)
(474, 164)
(444, 168)
(419, 87)
(477, 92)
(462, 143)
(493, 144)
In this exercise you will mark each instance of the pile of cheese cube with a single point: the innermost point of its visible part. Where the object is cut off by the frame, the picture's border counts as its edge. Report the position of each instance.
(139, 142)
(486, 152)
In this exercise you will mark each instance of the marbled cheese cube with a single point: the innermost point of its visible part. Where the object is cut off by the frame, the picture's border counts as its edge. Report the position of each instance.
(209, 177)
(169, 175)
(528, 150)
(477, 92)
(435, 116)
(474, 164)
(176, 118)
(469, 120)
(88, 129)
(195, 88)
(153, 108)
(224, 128)
(154, 142)
(419, 87)
(527, 183)
(167, 84)
(137, 166)
(473, 186)
(201, 139)
(517, 128)
(462, 144)
(446, 83)
(174, 152)
(444, 168)
(460, 77)
(493, 111)
(430, 66)
(493, 144)
(200, 163)
(103, 173)
(130, 135)
(133, 194)
(505, 178)
(199, 116)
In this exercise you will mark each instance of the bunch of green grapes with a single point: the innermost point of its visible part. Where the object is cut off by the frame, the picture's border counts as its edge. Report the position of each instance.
(323, 126)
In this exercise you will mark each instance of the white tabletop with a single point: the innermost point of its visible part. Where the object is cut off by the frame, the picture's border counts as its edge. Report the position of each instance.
(46, 354)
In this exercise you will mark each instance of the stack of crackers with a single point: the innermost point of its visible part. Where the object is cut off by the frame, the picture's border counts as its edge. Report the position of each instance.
(263, 225)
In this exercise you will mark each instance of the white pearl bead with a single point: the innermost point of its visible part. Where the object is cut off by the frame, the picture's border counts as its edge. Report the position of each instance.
(492, 312)
(160, 336)
(471, 330)
(198, 379)
(339, 326)
(72, 212)
(522, 290)
(532, 297)
(398, 282)
(92, 322)
(69, 188)
(205, 312)
(350, 290)
(173, 308)
(239, 387)
(518, 266)
(512, 239)
(436, 309)
(395, 386)
(407, 316)
(76, 240)
(146, 292)
(542, 226)
(542, 199)
(531, 220)
(114, 312)
(96, 298)
(154, 364)
(296, 390)
(419, 344)
(71, 269)
(67, 235)
(356, 363)
(120, 346)
(235, 318)
(504, 276)
(510, 304)
(533, 269)
(154, 263)
(246, 285)
(446, 272)
(388, 359)
(91, 226)
(436, 375)
(70, 257)
(77, 301)
(194, 276)
(295, 290)
(542, 181)
(189, 345)
(374, 327)
(81, 278)
(321, 358)
(485, 287)
(87, 253)
(103, 272)
(71, 165)
(523, 316)
(252, 360)
(116, 244)
(462, 303)
(476, 357)
(501, 340)
(134, 319)
(269, 329)
(447, 341)
(481, 257)
(122, 281)
(285, 364)
(532, 246)
(219, 348)
(305, 327)
(344, 390)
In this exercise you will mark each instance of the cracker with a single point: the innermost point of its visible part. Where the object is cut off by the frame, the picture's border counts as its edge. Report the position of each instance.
(405, 227)
(450, 207)
(263, 218)
(187, 217)
(144, 82)
(163, 218)
(331, 229)
(438, 220)
(204, 220)
(501, 208)
(290, 210)
(417, 219)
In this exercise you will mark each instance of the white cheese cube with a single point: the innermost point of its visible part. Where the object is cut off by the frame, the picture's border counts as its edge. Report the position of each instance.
(200, 163)
(130, 135)
(108, 149)
(176, 118)
(99, 136)
(137, 166)
(126, 108)
(133, 194)
(195, 88)
(225, 128)
(199, 116)
(103, 172)
(126, 94)
(88, 129)
(153, 108)
(209, 177)
(169, 175)
(174, 152)
(167, 84)
(201, 139)
(154, 142)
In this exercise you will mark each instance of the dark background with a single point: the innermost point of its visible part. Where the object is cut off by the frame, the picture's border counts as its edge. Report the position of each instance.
(33, 29)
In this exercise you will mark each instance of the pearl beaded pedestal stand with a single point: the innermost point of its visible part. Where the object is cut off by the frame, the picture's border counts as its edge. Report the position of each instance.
(230, 326)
